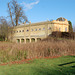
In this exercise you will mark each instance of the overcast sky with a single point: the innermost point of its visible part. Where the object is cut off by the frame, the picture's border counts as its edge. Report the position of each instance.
(42, 10)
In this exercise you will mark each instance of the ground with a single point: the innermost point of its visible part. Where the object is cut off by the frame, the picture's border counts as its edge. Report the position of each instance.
(64, 65)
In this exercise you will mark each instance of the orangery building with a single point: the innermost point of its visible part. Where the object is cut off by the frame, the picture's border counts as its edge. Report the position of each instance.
(34, 32)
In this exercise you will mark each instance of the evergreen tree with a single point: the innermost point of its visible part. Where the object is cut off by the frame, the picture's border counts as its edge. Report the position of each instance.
(70, 26)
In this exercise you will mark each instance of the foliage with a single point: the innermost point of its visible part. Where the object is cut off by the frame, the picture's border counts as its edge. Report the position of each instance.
(70, 26)
(3, 28)
(66, 35)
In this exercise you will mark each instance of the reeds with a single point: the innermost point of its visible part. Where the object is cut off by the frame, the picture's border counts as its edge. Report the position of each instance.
(47, 48)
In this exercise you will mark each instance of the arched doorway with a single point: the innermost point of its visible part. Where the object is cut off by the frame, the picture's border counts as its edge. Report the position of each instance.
(22, 40)
(38, 39)
(18, 40)
(32, 39)
(27, 40)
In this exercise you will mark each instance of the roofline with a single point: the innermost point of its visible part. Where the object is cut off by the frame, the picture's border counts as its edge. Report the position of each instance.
(38, 23)
(32, 24)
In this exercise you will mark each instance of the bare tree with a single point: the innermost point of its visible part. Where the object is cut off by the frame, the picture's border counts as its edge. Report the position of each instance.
(16, 13)
(3, 28)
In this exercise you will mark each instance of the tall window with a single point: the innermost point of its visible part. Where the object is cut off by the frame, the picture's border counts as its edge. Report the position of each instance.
(59, 29)
(19, 30)
(22, 30)
(32, 30)
(14, 31)
(27, 30)
(35, 29)
(43, 28)
(66, 29)
(39, 28)
(49, 28)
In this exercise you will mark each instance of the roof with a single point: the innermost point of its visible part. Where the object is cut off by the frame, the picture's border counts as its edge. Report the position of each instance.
(61, 19)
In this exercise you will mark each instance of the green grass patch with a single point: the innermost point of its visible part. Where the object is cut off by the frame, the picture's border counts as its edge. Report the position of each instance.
(58, 66)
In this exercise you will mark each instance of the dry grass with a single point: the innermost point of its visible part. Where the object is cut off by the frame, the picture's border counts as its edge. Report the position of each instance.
(13, 51)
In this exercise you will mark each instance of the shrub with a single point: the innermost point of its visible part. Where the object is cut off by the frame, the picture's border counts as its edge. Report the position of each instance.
(46, 48)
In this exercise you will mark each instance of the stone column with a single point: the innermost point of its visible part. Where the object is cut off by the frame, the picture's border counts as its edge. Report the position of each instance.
(30, 40)
(46, 30)
(30, 31)
(25, 40)
(20, 40)
(35, 39)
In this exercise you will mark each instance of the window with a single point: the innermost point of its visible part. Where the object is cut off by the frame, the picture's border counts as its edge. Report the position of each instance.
(32, 30)
(22, 30)
(19, 30)
(39, 28)
(49, 28)
(59, 29)
(27, 30)
(35, 29)
(43, 28)
(66, 29)
(14, 31)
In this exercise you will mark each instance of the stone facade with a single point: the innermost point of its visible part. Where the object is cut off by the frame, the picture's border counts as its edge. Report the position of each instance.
(34, 32)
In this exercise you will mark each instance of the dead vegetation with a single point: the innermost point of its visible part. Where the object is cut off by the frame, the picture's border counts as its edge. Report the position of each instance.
(47, 48)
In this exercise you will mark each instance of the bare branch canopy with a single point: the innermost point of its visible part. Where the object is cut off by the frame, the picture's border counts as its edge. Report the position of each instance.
(16, 13)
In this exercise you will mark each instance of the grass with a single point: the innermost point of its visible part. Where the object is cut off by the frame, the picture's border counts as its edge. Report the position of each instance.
(58, 66)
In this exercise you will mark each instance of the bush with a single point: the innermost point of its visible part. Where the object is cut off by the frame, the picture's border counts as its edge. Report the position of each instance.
(13, 51)
(67, 35)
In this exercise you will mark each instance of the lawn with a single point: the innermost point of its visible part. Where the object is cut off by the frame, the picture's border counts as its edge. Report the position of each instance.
(64, 65)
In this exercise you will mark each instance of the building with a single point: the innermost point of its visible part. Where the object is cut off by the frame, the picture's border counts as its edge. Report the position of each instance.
(34, 32)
